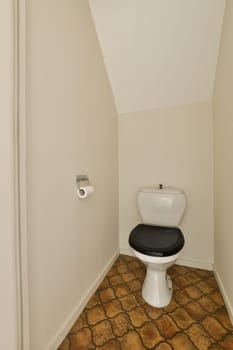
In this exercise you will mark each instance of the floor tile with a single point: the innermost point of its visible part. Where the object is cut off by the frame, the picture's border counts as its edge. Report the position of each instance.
(131, 341)
(163, 346)
(167, 326)
(200, 337)
(118, 318)
(196, 311)
(102, 333)
(138, 316)
(107, 294)
(222, 316)
(208, 304)
(113, 308)
(111, 345)
(227, 343)
(95, 315)
(129, 302)
(122, 290)
(80, 323)
(193, 292)
(81, 340)
(182, 318)
(121, 324)
(214, 328)
(150, 335)
(182, 342)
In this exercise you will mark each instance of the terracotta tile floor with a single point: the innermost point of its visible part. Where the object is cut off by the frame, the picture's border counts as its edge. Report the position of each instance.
(117, 318)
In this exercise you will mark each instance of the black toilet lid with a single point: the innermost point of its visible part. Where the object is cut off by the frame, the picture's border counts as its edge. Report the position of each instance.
(156, 240)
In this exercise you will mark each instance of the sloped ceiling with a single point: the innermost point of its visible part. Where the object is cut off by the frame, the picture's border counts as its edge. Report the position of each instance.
(159, 53)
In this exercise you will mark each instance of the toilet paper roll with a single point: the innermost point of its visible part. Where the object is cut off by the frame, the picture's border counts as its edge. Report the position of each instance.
(85, 191)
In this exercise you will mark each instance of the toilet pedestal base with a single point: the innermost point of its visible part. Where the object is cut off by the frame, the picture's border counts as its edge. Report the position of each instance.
(157, 287)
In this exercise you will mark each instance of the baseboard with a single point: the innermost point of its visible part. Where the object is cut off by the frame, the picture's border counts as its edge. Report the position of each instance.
(228, 304)
(198, 264)
(65, 328)
(126, 251)
(182, 261)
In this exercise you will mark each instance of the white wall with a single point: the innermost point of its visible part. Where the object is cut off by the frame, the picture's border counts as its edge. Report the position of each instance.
(8, 307)
(223, 146)
(170, 146)
(159, 53)
(71, 129)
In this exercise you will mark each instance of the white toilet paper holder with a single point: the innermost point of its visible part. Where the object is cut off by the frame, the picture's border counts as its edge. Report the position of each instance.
(82, 178)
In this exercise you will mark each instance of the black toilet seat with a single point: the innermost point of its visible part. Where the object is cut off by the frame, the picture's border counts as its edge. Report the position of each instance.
(156, 240)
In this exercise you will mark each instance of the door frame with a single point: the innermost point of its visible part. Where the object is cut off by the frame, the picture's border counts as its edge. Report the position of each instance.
(20, 172)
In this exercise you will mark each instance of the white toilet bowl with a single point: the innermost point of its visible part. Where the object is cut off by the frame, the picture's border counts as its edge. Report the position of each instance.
(157, 286)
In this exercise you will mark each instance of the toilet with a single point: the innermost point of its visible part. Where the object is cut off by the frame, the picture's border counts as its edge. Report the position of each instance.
(158, 242)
